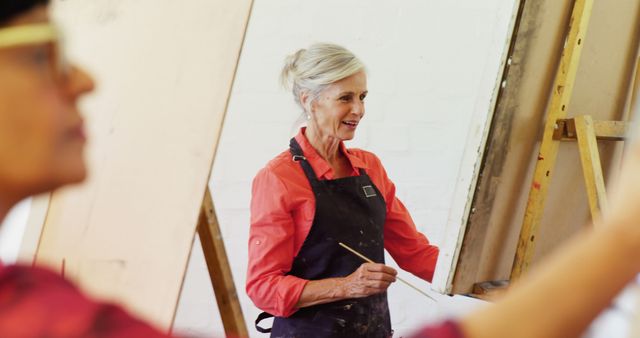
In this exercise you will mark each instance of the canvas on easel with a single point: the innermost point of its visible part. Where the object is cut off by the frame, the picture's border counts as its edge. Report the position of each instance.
(163, 86)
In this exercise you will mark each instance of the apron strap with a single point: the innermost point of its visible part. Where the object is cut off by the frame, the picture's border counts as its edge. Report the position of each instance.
(260, 318)
(299, 157)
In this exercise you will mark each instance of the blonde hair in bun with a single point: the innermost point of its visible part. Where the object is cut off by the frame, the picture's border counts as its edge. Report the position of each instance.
(311, 70)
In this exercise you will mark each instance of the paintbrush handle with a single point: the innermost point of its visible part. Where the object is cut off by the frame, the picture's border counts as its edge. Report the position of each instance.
(416, 288)
(356, 253)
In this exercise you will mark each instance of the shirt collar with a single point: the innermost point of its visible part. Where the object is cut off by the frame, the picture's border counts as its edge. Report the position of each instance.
(319, 164)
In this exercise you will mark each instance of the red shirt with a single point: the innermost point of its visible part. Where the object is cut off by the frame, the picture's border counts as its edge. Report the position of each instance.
(447, 329)
(35, 302)
(282, 211)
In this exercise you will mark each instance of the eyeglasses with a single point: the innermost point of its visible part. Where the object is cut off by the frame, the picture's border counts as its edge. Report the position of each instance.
(34, 34)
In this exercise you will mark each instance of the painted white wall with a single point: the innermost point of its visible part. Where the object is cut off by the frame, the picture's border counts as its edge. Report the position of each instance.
(433, 66)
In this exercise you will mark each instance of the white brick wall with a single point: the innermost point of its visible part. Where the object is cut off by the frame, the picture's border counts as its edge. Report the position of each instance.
(432, 69)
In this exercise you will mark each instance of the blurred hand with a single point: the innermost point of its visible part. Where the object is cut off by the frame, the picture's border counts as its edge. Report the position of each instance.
(368, 279)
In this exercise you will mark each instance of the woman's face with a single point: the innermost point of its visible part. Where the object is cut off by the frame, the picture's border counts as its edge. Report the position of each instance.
(340, 107)
(41, 130)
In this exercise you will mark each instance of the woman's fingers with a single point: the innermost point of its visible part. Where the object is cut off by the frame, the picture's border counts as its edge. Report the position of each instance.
(370, 279)
(378, 285)
(381, 276)
(377, 276)
(375, 267)
(379, 272)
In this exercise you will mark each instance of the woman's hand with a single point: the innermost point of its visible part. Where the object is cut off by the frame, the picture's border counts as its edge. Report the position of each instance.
(369, 279)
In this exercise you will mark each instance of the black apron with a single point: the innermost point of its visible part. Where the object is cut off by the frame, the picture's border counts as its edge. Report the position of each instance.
(349, 210)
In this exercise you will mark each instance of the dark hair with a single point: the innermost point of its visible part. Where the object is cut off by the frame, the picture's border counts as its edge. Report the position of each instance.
(12, 8)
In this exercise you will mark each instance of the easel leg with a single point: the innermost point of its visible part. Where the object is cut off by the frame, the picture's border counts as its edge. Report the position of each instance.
(590, 158)
(219, 270)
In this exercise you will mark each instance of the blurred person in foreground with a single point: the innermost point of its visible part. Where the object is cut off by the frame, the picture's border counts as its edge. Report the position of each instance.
(41, 148)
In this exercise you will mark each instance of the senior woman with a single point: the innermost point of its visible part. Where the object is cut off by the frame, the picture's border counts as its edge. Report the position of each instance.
(41, 148)
(320, 193)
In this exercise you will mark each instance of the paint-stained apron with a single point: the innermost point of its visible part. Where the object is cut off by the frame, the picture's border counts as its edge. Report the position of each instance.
(349, 210)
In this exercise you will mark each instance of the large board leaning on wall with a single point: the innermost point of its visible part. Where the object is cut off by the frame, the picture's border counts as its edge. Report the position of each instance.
(126, 234)
(602, 88)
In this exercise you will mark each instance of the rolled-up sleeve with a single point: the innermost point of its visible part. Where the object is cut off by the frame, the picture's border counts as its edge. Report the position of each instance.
(408, 247)
(271, 248)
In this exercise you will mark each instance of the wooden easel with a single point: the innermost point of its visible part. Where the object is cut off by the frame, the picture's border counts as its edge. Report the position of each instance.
(582, 129)
(586, 132)
(547, 155)
(126, 235)
(219, 270)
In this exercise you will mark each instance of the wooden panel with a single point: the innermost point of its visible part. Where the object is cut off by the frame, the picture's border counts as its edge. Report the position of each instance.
(510, 144)
(473, 152)
(600, 91)
(165, 71)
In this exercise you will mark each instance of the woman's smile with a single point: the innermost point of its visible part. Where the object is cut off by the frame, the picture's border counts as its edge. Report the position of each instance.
(350, 124)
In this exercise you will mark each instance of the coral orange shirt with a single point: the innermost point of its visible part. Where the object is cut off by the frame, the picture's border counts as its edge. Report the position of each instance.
(282, 211)
(35, 302)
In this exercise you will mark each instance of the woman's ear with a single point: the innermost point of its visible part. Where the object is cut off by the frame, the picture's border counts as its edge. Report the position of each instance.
(306, 102)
